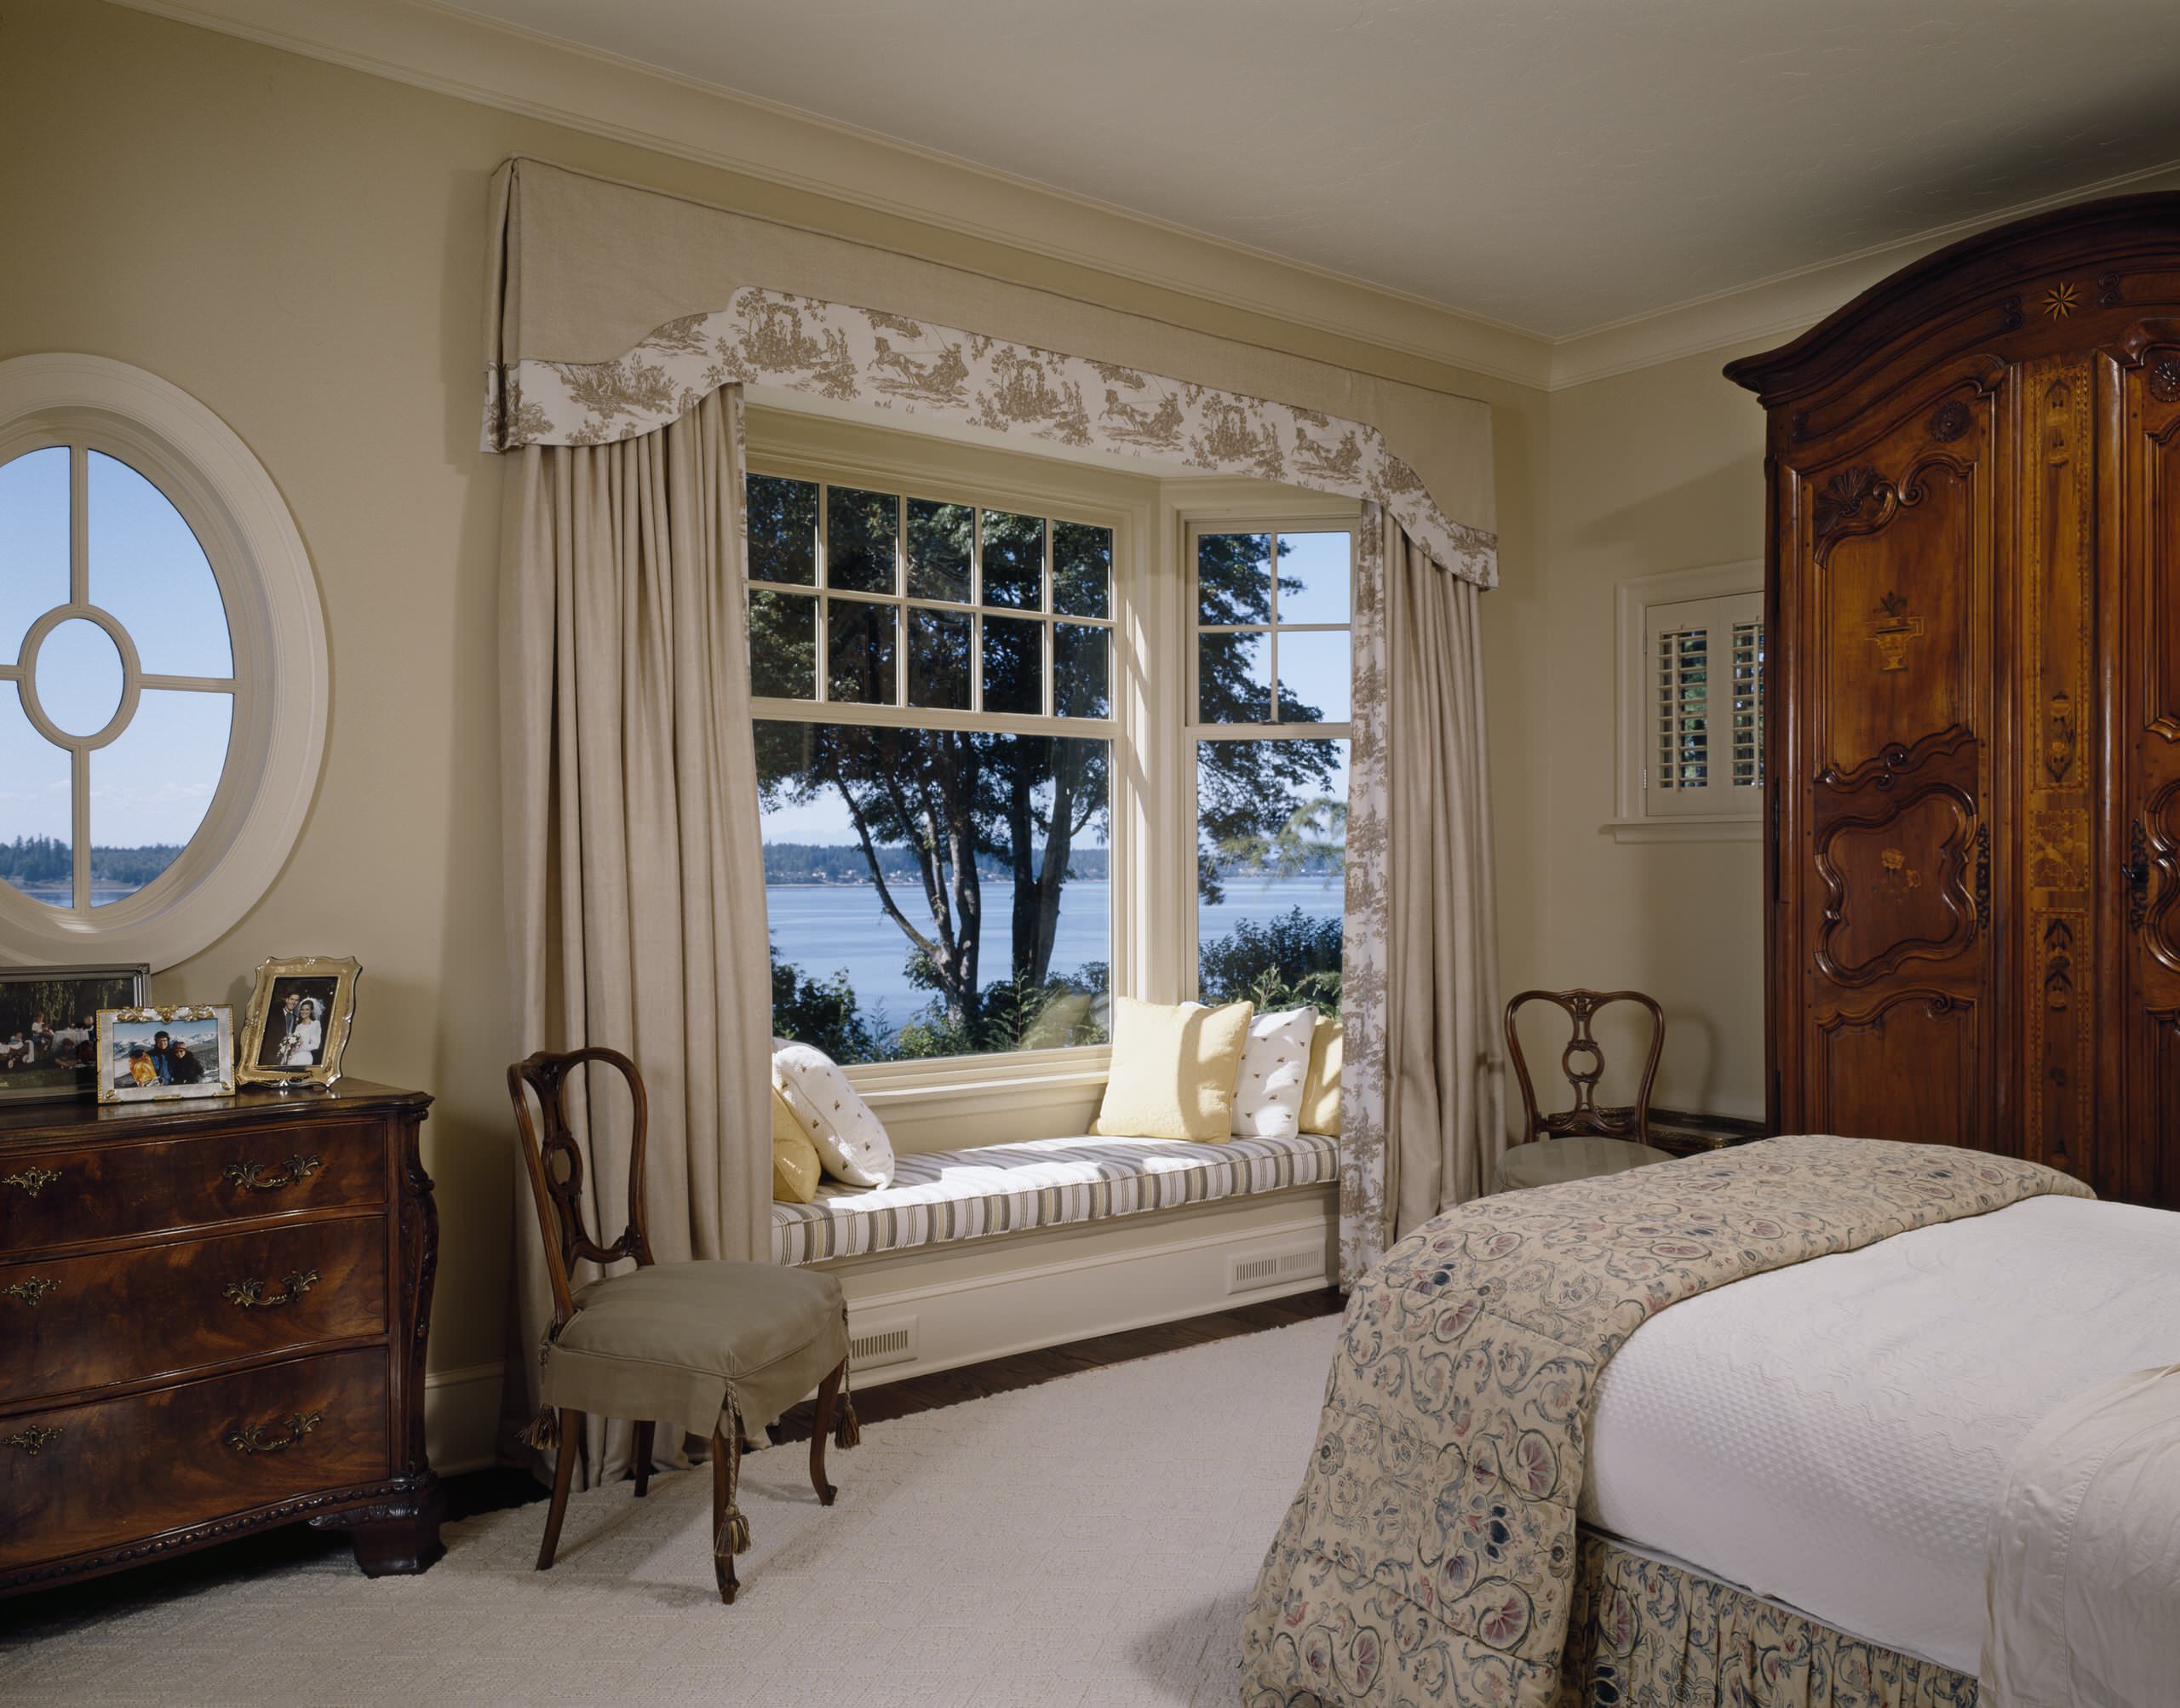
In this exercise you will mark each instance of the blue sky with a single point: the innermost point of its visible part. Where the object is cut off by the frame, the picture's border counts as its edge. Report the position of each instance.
(153, 783)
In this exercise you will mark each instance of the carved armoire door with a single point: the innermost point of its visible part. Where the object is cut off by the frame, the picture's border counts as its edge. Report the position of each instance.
(1883, 961)
(2143, 685)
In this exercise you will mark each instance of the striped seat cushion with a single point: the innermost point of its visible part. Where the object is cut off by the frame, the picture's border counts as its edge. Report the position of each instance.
(942, 1196)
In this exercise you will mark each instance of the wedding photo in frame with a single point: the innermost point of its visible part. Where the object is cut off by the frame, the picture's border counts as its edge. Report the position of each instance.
(298, 1022)
(148, 1055)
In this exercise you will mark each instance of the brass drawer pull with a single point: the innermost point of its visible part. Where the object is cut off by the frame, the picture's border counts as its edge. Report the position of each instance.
(33, 1181)
(31, 1439)
(251, 1295)
(251, 1438)
(31, 1290)
(255, 1176)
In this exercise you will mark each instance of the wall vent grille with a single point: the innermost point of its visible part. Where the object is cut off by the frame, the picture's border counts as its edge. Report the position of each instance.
(883, 1342)
(1247, 1274)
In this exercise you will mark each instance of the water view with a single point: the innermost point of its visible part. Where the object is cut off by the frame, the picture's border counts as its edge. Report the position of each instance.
(825, 928)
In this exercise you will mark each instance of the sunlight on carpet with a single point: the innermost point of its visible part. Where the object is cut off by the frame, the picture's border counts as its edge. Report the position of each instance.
(1092, 1542)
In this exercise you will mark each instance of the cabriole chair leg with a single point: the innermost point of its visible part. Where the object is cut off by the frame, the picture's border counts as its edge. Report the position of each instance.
(568, 1444)
(645, 1436)
(829, 1393)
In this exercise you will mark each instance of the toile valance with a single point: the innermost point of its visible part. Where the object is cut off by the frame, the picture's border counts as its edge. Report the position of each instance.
(613, 310)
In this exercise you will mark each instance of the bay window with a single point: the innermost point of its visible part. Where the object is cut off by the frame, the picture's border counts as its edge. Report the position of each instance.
(1017, 752)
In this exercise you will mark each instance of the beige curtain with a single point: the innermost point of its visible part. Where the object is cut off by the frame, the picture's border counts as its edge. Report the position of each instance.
(1423, 1090)
(635, 884)
(1446, 1090)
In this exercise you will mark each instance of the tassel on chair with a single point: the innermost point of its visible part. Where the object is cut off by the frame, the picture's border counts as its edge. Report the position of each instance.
(846, 1432)
(734, 1529)
(543, 1431)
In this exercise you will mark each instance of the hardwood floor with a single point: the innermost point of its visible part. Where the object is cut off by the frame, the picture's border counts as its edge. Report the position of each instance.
(471, 1493)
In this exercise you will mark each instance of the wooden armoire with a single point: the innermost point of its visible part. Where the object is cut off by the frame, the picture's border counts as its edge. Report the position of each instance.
(1973, 721)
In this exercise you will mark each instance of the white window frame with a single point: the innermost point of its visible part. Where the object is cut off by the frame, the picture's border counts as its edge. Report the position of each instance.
(277, 628)
(1644, 813)
(922, 469)
(1200, 516)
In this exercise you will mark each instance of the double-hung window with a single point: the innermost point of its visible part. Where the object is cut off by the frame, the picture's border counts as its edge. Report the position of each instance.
(934, 679)
(1269, 700)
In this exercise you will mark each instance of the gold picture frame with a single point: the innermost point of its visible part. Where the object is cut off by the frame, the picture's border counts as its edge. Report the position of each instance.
(149, 1054)
(298, 1023)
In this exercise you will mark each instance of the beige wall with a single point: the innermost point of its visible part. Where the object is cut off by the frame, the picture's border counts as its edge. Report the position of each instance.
(1656, 470)
(301, 247)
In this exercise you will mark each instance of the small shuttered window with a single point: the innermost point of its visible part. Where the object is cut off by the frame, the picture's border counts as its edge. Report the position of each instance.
(1705, 751)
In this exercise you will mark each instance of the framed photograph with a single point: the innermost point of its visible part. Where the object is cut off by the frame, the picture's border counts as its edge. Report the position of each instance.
(48, 1026)
(298, 1022)
(147, 1054)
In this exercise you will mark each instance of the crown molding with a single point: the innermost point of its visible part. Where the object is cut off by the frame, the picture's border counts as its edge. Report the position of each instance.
(429, 45)
(1789, 303)
(497, 64)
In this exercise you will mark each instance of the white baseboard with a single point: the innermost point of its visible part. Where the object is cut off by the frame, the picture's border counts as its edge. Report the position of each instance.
(461, 1418)
(1102, 1281)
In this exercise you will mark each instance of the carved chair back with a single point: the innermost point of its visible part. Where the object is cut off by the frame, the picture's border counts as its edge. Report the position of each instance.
(555, 1163)
(1583, 1063)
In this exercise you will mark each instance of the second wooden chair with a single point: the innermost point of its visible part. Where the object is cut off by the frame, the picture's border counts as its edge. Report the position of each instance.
(1588, 1139)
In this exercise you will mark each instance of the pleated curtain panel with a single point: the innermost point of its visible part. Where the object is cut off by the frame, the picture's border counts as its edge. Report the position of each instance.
(635, 893)
(1423, 1118)
(635, 896)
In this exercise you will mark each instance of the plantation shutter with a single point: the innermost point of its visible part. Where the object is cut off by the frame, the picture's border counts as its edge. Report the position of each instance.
(1704, 752)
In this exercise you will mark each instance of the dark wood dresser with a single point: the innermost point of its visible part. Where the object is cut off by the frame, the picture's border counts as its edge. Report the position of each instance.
(212, 1320)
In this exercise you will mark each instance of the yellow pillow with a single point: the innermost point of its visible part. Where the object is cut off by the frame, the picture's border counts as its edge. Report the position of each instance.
(1321, 1090)
(796, 1167)
(1174, 1070)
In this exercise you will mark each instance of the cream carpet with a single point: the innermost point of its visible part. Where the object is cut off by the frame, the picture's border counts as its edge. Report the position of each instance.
(1092, 1542)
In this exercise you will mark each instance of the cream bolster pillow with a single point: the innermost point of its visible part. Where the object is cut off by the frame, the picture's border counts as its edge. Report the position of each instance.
(1321, 1096)
(1174, 1070)
(1274, 1072)
(850, 1141)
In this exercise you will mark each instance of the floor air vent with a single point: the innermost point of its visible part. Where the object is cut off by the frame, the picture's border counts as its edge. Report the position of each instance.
(1247, 1274)
(883, 1342)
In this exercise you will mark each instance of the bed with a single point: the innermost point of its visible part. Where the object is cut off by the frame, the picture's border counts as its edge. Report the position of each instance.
(1897, 1386)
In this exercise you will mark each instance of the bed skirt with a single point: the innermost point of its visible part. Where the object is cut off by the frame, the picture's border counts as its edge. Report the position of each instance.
(1648, 1635)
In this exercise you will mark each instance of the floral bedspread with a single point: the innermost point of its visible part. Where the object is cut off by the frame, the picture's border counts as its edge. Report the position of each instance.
(1430, 1557)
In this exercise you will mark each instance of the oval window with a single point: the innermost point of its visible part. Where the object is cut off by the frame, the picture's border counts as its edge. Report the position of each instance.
(162, 667)
(122, 688)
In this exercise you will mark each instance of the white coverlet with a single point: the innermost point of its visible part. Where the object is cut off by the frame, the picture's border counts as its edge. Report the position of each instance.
(2085, 1589)
(1835, 1435)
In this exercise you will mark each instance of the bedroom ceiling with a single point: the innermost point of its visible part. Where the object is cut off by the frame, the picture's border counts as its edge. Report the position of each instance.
(1554, 165)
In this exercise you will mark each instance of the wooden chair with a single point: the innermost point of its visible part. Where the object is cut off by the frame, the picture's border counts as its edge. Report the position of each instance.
(1588, 1139)
(700, 1344)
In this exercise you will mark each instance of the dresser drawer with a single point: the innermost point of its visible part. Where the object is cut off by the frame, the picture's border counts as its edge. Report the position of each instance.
(61, 1196)
(71, 1323)
(95, 1475)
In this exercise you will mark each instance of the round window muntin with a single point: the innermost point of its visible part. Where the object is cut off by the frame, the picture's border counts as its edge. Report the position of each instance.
(276, 636)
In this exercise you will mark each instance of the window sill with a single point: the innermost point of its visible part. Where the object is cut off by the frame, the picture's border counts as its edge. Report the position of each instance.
(1691, 830)
(1033, 1076)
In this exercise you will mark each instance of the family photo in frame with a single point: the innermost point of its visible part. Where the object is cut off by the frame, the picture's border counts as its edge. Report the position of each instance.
(48, 1026)
(146, 1055)
(298, 1022)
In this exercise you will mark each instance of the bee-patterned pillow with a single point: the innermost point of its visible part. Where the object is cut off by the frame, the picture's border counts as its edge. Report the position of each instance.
(1274, 1069)
(852, 1141)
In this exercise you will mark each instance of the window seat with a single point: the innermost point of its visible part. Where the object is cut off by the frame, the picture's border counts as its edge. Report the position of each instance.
(938, 1197)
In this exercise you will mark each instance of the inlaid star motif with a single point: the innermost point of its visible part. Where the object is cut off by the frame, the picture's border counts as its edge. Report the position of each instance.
(2059, 301)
